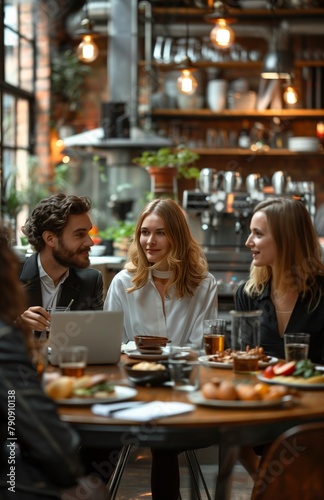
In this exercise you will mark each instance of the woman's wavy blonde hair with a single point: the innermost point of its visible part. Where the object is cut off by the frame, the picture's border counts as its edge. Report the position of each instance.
(299, 254)
(185, 258)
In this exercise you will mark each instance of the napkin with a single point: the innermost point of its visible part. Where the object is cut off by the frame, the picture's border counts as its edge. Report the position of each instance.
(143, 412)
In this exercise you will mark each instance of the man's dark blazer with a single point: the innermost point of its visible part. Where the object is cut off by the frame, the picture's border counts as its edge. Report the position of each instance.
(84, 286)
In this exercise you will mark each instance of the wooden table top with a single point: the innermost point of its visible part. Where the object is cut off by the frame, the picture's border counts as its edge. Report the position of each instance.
(309, 406)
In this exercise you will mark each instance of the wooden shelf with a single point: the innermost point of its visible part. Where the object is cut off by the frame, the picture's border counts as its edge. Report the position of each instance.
(198, 14)
(230, 113)
(248, 152)
(257, 65)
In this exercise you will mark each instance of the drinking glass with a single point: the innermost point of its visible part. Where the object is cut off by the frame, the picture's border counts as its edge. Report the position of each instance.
(214, 335)
(296, 346)
(73, 360)
(245, 340)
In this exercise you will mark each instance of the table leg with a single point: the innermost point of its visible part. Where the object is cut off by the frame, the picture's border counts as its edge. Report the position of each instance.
(116, 476)
(228, 455)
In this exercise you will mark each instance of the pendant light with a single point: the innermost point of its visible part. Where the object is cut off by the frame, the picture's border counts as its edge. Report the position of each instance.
(87, 50)
(222, 34)
(278, 63)
(290, 95)
(186, 83)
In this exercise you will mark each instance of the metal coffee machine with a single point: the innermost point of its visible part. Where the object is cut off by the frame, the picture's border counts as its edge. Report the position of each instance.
(221, 209)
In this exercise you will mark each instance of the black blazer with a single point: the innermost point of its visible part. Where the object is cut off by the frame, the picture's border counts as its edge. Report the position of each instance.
(84, 286)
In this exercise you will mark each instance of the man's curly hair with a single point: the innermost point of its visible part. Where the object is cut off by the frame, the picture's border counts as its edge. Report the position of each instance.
(51, 214)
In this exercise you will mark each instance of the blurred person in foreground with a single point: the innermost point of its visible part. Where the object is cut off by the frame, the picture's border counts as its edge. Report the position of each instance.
(164, 289)
(38, 452)
(286, 282)
(58, 272)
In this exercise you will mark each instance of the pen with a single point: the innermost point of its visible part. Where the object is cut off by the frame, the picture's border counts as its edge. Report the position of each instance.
(70, 304)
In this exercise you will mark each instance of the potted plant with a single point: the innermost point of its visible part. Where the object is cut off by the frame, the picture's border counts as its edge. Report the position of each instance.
(117, 237)
(166, 165)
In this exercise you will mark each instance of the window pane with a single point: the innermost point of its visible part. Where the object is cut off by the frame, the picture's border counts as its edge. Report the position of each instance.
(11, 14)
(9, 120)
(22, 123)
(26, 69)
(11, 57)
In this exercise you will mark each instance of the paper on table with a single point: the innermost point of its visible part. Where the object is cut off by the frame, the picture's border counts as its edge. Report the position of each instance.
(130, 346)
(145, 412)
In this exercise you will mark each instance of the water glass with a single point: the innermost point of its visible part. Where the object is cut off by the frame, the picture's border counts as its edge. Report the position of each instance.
(245, 340)
(296, 346)
(184, 375)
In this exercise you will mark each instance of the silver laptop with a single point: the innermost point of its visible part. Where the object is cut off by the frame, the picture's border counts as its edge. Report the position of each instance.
(100, 331)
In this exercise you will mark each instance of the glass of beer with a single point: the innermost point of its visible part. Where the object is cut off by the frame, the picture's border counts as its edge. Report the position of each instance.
(214, 335)
(73, 360)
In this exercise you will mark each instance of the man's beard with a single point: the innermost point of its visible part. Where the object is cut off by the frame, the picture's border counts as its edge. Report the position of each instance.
(67, 258)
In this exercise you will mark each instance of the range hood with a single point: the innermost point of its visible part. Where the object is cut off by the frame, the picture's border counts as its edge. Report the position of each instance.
(120, 19)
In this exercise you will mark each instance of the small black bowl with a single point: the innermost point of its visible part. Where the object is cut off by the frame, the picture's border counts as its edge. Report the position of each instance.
(147, 377)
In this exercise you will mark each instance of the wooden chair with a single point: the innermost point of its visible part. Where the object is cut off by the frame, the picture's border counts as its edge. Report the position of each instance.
(292, 467)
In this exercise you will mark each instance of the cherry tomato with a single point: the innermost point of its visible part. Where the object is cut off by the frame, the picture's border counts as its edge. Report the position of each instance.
(268, 372)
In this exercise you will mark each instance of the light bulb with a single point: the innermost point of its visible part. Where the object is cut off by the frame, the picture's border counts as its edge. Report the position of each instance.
(222, 35)
(87, 50)
(290, 95)
(186, 83)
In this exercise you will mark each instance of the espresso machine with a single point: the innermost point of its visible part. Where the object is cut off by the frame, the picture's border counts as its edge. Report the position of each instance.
(219, 214)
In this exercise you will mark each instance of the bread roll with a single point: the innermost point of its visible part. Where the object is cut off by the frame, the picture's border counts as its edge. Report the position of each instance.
(60, 388)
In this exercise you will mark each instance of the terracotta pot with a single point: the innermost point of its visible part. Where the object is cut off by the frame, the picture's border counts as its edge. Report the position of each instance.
(164, 180)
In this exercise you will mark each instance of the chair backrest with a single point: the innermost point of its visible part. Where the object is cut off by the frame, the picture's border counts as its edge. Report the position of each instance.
(292, 467)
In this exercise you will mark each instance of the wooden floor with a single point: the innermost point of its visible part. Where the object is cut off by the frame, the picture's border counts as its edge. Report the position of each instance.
(135, 483)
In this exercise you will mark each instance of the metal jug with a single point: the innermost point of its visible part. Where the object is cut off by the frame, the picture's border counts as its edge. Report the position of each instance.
(254, 182)
(279, 182)
(206, 179)
(229, 181)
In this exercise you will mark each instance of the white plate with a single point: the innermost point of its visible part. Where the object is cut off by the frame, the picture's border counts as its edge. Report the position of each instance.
(206, 360)
(134, 354)
(198, 399)
(122, 393)
(297, 385)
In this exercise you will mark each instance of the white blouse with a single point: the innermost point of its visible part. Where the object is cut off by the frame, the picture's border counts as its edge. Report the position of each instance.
(143, 309)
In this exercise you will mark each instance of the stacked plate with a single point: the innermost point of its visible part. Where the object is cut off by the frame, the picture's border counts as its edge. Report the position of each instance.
(303, 143)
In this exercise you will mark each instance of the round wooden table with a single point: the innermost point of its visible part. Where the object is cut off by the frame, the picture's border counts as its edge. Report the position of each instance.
(205, 426)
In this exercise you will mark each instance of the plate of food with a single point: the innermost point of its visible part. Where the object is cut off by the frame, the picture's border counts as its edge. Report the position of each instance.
(224, 359)
(86, 390)
(136, 354)
(147, 373)
(220, 393)
(301, 374)
(198, 399)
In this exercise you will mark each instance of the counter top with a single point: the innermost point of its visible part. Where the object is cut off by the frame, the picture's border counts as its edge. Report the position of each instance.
(112, 261)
